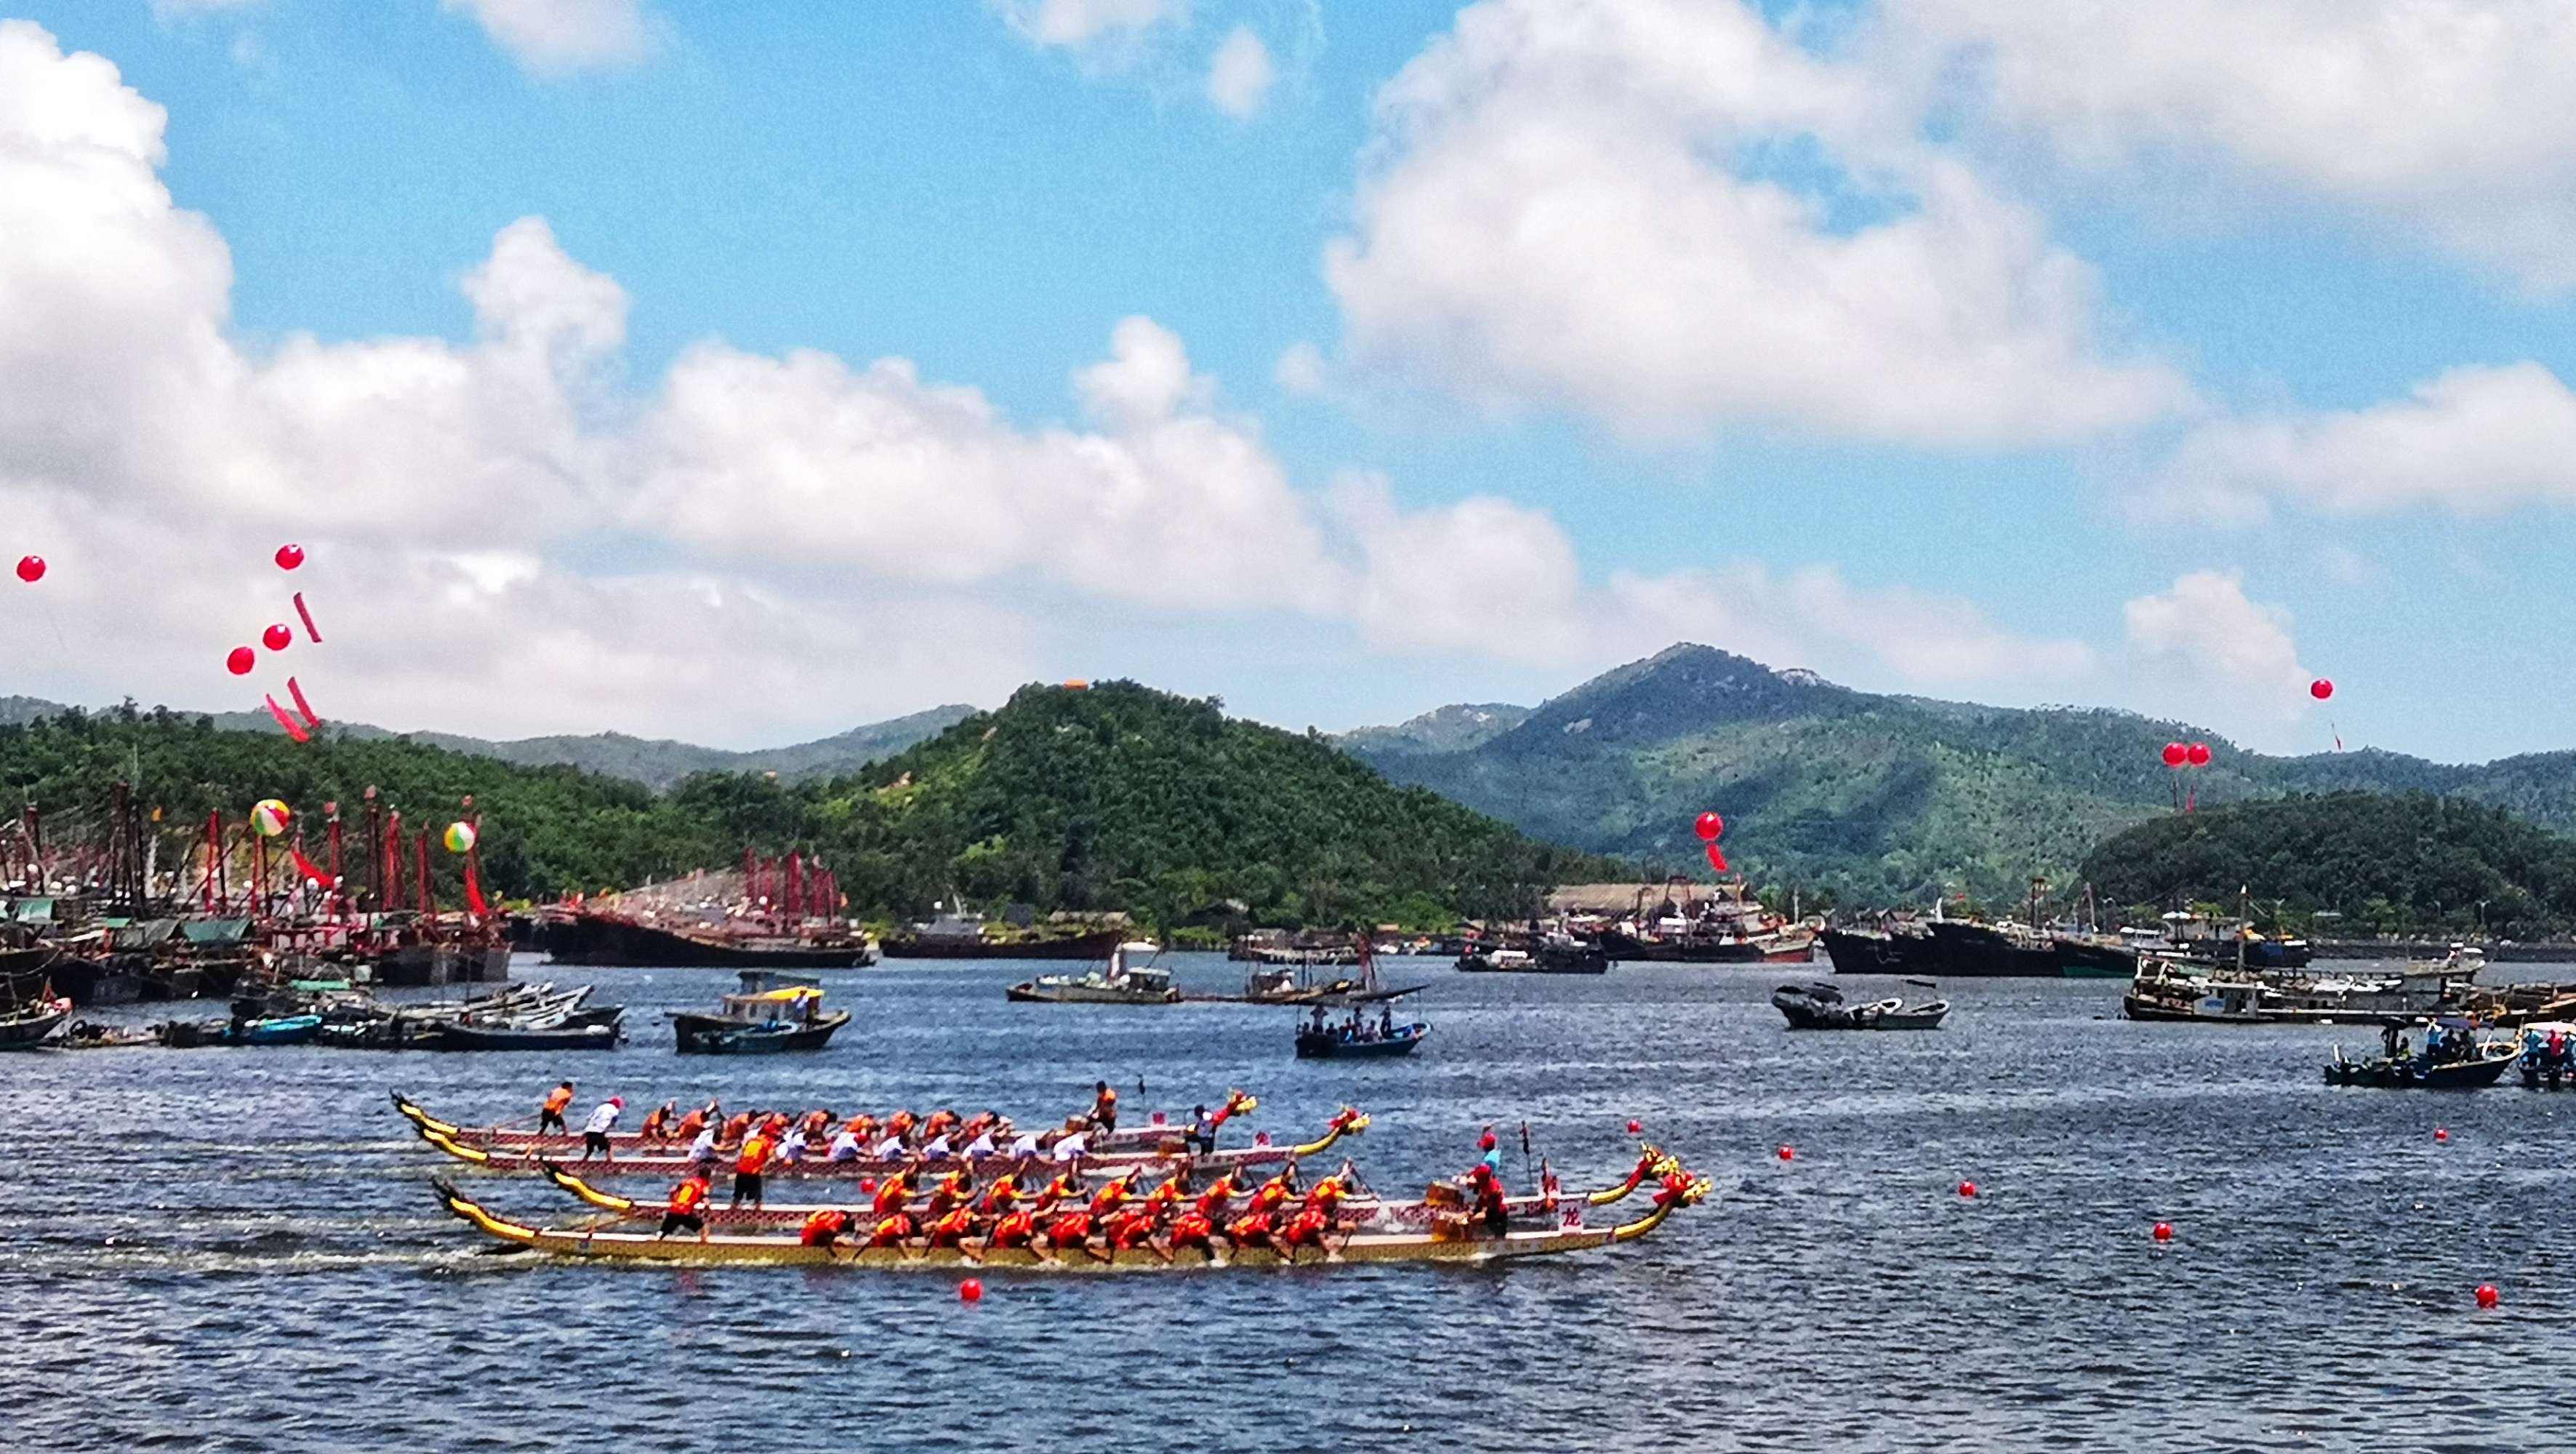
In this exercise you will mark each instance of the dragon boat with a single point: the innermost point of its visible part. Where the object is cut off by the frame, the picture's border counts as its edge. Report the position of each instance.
(1452, 1239)
(1345, 1122)
(1367, 1212)
(1161, 1129)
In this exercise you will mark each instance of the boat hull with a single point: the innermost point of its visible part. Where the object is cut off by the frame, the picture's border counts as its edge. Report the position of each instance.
(1034, 993)
(941, 946)
(1329, 1046)
(28, 1029)
(476, 1037)
(2407, 1075)
(716, 1035)
(598, 939)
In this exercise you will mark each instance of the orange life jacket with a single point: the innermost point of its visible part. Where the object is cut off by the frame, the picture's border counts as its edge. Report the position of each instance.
(892, 1193)
(688, 1196)
(824, 1224)
(557, 1099)
(735, 1127)
(755, 1155)
(691, 1124)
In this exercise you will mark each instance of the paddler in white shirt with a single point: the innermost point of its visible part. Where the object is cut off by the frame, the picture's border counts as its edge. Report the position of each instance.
(891, 1149)
(982, 1145)
(1071, 1146)
(594, 1132)
(936, 1149)
(1025, 1145)
(845, 1146)
(703, 1149)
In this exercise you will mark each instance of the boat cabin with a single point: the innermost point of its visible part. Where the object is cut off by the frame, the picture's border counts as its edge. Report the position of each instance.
(793, 1005)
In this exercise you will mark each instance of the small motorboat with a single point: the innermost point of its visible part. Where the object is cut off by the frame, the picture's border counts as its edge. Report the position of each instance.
(87, 1035)
(27, 1026)
(276, 1030)
(2548, 1059)
(774, 1013)
(1822, 1007)
(2452, 1059)
(1320, 1037)
(1118, 982)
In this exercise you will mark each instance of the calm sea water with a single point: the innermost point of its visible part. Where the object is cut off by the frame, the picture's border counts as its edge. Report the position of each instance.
(235, 1249)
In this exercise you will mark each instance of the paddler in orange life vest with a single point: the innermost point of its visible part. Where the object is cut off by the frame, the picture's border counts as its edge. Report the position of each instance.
(825, 1229)
(1315, 1218)
(550, 1114)
(736, 1127)
(1259, 1223)
(657, 1124)
(1135, 1226)
(1104, 1108)
(696, 1121)
(892, 1193)
(688, 1207)
(748, 1166)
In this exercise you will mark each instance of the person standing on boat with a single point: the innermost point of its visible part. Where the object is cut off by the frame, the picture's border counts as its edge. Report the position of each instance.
(1104, 1108)
(1492, 1161)
(688, 1207)
(594, 1132)
(702, 1148)
(1203, 1124)
(747, 1167)
(550, 1115)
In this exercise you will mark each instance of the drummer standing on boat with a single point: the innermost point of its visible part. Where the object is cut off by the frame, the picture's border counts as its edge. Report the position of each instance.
(748, 1167)
(1104, 1108)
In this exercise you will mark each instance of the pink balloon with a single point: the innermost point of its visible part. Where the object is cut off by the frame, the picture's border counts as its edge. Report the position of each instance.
(276, 637)
(31, 568)
(289, 556)
(241, 661)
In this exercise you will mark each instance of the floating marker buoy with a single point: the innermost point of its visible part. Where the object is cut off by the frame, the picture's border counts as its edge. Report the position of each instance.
(1636, 1126)
(867, 1185)
(2442, 1133)
(2164, 1231)
(971, 1290)
(1788, 1153)
(2487, 1295)
(1967, 1188)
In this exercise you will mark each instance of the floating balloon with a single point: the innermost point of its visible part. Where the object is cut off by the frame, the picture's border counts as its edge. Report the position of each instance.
(270, 817)
(2200, 754)
(1968, 1189)
(971, 1290)
(241, 661)
(31, 568)
(2321, 689)
(289, 556)
(1710, 827)
(2164, 1231)
(460, 837)
(2487, 1295)
(2176, 754)
(276, 637)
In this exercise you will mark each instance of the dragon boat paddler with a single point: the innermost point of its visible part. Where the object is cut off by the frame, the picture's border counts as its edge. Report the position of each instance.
(550, 1111)
(748, 1167)
(594, 1132)
(687, 1210)
(657, 1123)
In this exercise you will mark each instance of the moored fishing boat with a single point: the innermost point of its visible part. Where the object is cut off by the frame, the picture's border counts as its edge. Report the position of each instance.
(29, 1025)
(274, 1030)
(1822, 1007)
(1119, 982)
(772, 1014)
(1346, 1122)
(1451, 1240)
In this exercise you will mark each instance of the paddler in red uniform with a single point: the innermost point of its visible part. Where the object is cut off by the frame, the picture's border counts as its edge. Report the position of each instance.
(1019, 1229)
(550, 1113)
(1070, 1229)
(657, 1124)
(891, 1231)
(1491, 1204)
(748, 1166)
(1135, 1226)
(1315, 1217)
(956, 1189)
(1114, 1193)
(1258, 1224)
(952, 1230)
(825, 1229)
(1003, 1192)
(1104, 1108)
(736, 1127)
(892, 1193)
(687, 1208)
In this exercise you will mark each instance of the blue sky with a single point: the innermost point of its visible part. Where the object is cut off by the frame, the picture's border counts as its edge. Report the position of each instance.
(1940, 350)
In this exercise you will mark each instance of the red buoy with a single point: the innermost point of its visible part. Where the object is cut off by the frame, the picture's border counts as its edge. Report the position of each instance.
(1636, 1126)
(2441, 1133)
(2487, 1295)
(971, 1290)
(1967, 1188)
(2164, 1231)
(867, 1185)
(1788, 1153)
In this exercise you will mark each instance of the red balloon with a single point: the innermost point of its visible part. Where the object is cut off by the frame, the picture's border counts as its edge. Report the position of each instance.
(2200, 754)
(2176, 754)
(971, 1290)
(241, 661)
(1967, 1189)
(2487, 1295)
(2321, 689)
(2164, 1231)
(276, 637)
(1709, 827)
(289, 556)
(31, 568)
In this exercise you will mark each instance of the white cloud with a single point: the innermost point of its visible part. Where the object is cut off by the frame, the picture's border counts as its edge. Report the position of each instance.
(1301, 369)
(1240, 74)
(1670, 216)
(1077, 24)
(812, 532)
(2453, 118)
(2206, 646)
(551, 37)
(2474, 441)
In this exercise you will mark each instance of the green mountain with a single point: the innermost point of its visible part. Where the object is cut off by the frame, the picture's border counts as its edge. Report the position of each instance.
(1113, 798)
(1879, 800)
(656, 762)
(1443, 729)
(1123, 797)
(2407, 863)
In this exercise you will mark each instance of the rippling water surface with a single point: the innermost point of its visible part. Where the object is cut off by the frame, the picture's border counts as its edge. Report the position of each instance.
(236, 1249)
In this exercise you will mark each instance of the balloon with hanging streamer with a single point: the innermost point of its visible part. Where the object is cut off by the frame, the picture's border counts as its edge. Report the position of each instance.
(2176, 754)
(2200, 754)
(270, 817)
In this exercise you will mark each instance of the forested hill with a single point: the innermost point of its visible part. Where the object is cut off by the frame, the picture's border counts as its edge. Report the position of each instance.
(1880, 799)
(2409, 863)
(1123, 797)
(1117, 797)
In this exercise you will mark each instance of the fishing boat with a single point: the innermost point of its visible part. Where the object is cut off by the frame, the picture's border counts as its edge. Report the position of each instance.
(2548, 1058)
(512, 1037)
(1346, 1122)
(1118, 982)
(1728, 927)
(1452, 1239)
(1320, 1039)
(2176, 989)
(1366, 1210)
(955, 934)
(1548, 953)
(84, 1035)
(600, 937)
(29, 1025)
(1822, 1007)
(772, 1013)
(2418, 1072)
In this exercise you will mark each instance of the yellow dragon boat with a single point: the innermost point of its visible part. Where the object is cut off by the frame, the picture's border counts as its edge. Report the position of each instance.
(1449, 1241)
